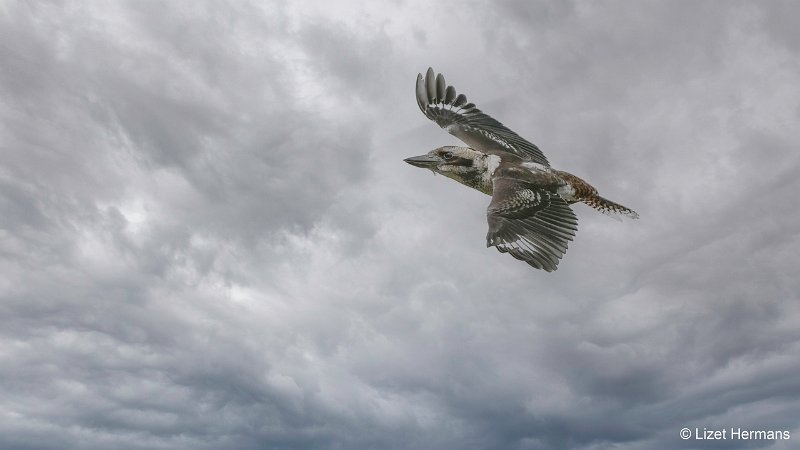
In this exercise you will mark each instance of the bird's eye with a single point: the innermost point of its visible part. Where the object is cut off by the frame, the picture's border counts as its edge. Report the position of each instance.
(448, 155)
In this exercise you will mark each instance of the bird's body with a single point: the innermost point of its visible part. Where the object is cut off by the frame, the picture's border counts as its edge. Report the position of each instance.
(529, 215)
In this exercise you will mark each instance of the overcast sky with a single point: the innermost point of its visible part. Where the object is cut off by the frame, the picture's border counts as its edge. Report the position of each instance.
(209, 239)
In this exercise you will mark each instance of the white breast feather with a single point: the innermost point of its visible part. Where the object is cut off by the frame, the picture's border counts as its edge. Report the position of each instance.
(492, 162)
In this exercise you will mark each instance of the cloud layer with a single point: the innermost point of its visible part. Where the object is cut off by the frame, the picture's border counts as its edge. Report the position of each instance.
(208, 238)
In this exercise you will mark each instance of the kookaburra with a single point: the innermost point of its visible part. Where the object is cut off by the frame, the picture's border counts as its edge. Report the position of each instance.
(529, 215)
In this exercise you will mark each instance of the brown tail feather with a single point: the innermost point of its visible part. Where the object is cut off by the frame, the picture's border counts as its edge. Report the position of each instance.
(608, 207)
(586, 193)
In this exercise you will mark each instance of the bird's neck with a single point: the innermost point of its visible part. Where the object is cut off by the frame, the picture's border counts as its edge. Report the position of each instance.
(479, 175)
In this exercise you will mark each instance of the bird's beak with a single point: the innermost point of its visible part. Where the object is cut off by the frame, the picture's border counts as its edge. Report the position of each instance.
(424, 161)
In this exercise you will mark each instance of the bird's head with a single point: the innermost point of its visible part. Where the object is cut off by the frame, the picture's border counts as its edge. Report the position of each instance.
(463, 164)
(459, 163)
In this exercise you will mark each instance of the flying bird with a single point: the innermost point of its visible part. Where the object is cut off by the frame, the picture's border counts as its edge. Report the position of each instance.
(529, 215)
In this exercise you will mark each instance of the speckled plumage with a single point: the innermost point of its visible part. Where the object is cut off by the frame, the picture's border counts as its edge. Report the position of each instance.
(529, 215)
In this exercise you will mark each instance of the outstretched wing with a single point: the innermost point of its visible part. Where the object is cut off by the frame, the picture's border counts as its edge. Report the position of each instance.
(440, 103)
(531, 224)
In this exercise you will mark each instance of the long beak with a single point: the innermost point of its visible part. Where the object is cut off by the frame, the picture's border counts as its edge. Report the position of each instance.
(424, 161)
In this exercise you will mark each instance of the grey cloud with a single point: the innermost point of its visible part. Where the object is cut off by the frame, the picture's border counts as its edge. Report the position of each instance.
(165, 96)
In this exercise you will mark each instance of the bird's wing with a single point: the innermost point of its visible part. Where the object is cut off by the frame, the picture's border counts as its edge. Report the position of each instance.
(531, 224)
(440, 103)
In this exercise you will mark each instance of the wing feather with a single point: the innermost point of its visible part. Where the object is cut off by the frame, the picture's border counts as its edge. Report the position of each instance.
(529, 223)
(441, 87)
(450, 95)
(430, 86)
(440, 103)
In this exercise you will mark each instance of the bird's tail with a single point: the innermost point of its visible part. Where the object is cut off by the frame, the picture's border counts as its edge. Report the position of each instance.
(581, 191)
(609, 208)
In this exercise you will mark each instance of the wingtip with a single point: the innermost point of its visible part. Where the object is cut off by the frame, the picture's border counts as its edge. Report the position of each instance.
(441, 88)
(421, 93)
(430, 85)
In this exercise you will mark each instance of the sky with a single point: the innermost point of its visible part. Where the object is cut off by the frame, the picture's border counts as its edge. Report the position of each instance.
(209, 238)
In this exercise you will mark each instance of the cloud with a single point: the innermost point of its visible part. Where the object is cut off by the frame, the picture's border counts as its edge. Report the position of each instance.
(208, 237)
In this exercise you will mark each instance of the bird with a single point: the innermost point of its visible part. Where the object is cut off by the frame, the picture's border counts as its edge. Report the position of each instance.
(529, 215)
